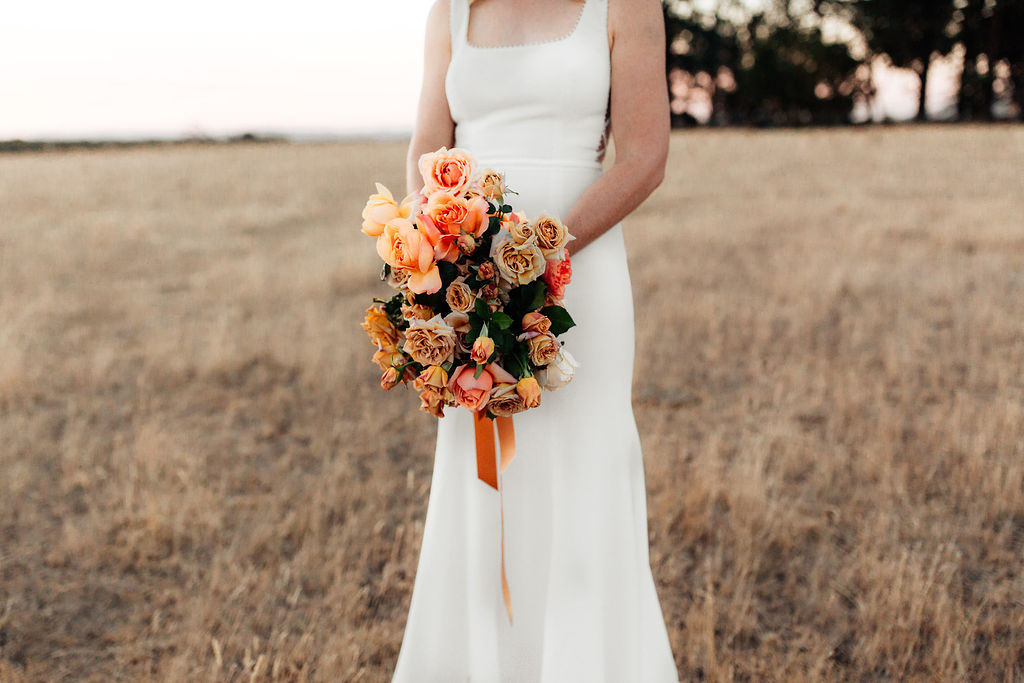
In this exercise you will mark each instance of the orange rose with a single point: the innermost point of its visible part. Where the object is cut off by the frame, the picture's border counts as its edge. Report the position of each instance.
(379, 328)
(389, 379)
(386, 358)
(483, 347)
(446, 169)
(529, 389)
(432, 376)
(558, 274)
(402, 246)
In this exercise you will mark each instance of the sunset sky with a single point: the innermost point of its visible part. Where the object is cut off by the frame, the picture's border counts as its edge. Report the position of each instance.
(120, 69)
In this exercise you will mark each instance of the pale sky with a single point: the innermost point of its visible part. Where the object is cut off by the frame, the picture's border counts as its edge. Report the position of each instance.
(127, 68)
(120, 68)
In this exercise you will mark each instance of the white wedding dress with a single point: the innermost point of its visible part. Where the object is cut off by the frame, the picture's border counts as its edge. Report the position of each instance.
(575, 509)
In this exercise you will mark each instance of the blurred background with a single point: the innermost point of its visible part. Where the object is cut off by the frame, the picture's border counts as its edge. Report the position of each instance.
(121, 70)
(201, 479)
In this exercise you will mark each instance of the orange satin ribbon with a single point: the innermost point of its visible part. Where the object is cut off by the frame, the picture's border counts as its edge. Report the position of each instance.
(486, 471)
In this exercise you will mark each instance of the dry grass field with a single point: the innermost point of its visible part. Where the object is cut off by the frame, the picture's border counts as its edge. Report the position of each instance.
(200, 479)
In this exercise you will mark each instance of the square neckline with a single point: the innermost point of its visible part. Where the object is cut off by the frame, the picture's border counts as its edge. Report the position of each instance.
(560, 39)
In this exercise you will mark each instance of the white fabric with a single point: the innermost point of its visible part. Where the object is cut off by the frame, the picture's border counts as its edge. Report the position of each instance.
(583, 597)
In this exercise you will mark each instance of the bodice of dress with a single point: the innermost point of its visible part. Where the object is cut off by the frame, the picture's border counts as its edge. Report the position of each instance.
(545, 101)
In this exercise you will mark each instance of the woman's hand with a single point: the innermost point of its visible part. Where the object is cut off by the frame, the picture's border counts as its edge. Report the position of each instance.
(434, 127)
(639, 122)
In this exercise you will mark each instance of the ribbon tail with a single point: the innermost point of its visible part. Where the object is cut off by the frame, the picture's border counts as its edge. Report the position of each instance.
(486, 470)
(505, 593)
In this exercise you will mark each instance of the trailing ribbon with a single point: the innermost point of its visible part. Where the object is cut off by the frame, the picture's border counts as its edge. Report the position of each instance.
(486, 471)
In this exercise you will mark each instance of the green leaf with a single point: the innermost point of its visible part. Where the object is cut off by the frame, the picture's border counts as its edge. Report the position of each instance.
(538, 296)
(482, 309)
(500, 320)
(479, 371)
(559, 317)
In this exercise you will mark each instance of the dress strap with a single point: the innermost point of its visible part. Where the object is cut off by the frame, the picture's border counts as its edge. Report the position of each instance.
(458, 22)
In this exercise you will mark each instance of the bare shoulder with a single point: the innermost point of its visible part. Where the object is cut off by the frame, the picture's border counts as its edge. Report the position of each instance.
(438, 20)
(635, 20)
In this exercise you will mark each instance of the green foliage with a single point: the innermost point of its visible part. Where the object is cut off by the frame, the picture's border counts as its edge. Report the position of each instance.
(560, 319)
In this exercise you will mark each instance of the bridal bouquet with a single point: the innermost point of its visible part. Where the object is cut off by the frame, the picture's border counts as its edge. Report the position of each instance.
(478, 309)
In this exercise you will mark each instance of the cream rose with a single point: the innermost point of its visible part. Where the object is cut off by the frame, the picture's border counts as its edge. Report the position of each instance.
(505, 401)
(522, 231)
(543, 348)
(520, 264)
(459, 295)
(492, 184)
(552, 236)
(559, 373)
(430, 342)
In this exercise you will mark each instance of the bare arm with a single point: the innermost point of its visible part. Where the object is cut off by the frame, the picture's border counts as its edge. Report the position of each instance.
(434, 126)
(639, 122)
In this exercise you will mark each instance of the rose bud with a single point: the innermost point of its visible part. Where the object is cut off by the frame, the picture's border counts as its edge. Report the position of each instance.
(390, 378)
(466, 244)
(483, 347)
(534, 321)
(489, 292)
(486, 271)
(529, 389)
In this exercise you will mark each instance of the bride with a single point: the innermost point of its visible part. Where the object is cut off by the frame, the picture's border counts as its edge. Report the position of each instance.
(534, 89)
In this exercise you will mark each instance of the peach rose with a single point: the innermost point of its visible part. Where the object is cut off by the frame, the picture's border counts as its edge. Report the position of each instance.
(558, 274)
(453, 214)
(474, 392)
(381, 208)
(518, 263)
(430, 342)
(543, 348)
(552, 236)
(459, 296)
(379, 328)
(529, 389)
(446, 169)
(505, 401)
(471, 392)
(401, 245)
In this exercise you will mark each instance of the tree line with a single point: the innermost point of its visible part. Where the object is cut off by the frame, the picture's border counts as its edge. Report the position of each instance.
(798, 62)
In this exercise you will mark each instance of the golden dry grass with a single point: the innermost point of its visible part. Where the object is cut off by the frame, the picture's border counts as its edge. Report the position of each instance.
(197, 482)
